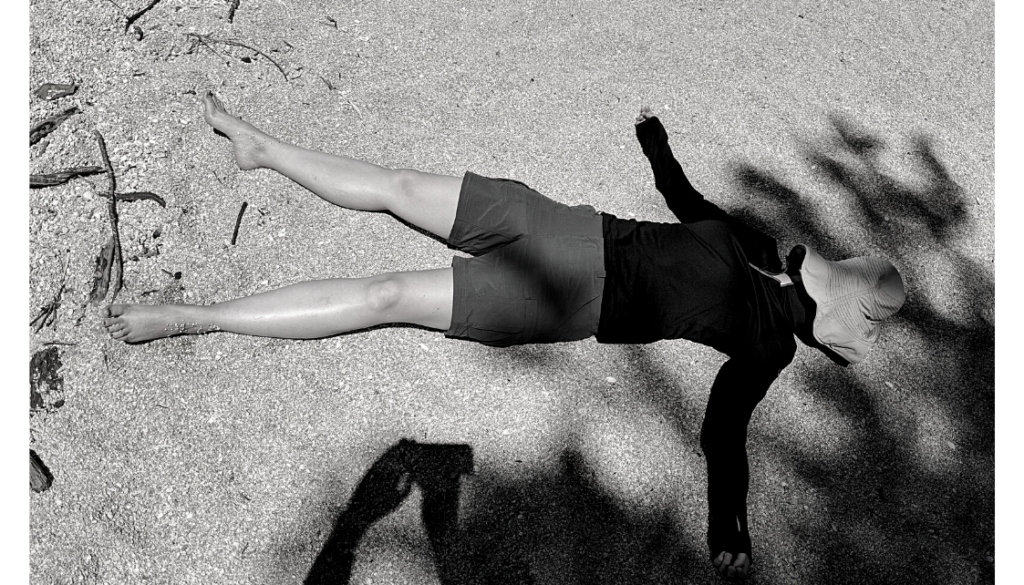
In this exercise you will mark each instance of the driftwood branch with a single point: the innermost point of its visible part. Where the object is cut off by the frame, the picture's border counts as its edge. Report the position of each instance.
(238, 222)
(131, 19)
(101, 275)
(116, 265)
(37, 181)
(40, 130)
(207, 40)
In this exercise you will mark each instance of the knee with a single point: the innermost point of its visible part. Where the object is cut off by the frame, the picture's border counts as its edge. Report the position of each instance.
(406, 183)
(383, 293)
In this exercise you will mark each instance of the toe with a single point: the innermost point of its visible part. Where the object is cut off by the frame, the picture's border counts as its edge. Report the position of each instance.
(114, 324)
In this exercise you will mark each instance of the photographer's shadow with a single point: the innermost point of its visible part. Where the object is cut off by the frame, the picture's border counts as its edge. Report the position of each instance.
(543, 527)
(436, 469)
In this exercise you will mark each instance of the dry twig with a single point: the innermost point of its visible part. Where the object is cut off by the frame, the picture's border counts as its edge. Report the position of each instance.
(131, 19)
(36, 181)
(40, 130)
(48, 314)
(207, 40)
(238, 222)
(355, 107)
(137, 195)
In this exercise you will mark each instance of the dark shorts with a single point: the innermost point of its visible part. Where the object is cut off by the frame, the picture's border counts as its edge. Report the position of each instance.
(538, 268)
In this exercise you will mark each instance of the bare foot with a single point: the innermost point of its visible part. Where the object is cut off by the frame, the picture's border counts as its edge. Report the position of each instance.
(730, 567)
(250, 142)
(137, 323)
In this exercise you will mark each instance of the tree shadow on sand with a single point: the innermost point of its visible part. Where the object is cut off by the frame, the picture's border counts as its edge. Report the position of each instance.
(911, 499)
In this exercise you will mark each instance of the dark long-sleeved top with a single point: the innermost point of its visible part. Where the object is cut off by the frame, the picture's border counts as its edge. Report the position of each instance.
(694, 280)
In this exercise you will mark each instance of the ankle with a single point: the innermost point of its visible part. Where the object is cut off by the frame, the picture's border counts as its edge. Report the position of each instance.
(266, 150)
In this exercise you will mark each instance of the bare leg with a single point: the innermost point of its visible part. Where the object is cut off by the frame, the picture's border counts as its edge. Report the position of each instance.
(307, 310)
(426, 200)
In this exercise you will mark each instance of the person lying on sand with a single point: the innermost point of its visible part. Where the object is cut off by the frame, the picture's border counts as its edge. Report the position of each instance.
(544, 272)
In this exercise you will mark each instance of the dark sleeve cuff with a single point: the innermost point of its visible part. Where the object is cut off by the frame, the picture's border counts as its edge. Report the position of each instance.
(650, 133)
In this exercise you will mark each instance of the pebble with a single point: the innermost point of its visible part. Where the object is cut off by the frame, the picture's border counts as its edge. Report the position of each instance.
(611, 379)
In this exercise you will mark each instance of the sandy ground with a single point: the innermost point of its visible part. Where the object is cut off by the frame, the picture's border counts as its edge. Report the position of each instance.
(861, 128)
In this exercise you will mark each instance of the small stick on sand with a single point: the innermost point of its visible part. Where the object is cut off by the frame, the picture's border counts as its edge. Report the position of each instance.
(40, 130)
(48, 314)
(232, 9)
(137, 195)
(206, 40)
(137, 15)
(238, 222)
(36, 181)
